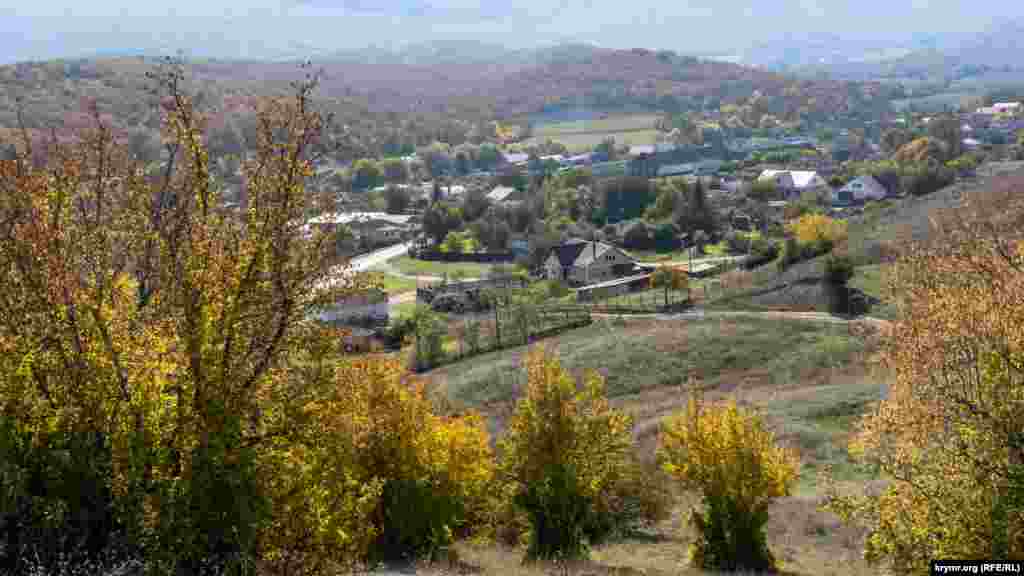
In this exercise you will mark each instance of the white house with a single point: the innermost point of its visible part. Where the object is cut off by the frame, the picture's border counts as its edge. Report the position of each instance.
(581, 262)
(1002, 108)
(794, 183)
(859, 189)
(503, 195)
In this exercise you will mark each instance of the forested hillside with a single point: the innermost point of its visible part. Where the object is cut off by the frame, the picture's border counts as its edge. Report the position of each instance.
(388, 108)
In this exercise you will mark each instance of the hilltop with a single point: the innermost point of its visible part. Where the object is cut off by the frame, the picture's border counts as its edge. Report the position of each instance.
(434, 96)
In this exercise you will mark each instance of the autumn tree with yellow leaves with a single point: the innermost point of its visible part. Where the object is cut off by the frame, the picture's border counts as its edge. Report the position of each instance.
(164, 391)
(948, 438)
(726, 454)
(563, 451)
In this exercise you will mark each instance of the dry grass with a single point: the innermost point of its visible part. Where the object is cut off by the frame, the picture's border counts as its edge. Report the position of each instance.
(811, 381)
(805, 541)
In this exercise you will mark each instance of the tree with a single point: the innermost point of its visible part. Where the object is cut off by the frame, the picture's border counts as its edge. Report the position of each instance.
(475, 204)
(763, 190)
(397, 199)
(699, 214)
(453, 242)
(637, 236)
(895, 138)
(394, 170)
(670, 278)
(813, 229)
(922, 151)
(606, 150)
(168, 345)
(487, 157)
(728, 456)
(946, 129)
(365, 174)
(947, 437)
(565, 447)
(665, 204)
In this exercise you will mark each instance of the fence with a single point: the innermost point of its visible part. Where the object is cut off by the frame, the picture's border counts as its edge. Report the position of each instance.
(503, 327)
(646, 301)
(477, 257)
(471, 288)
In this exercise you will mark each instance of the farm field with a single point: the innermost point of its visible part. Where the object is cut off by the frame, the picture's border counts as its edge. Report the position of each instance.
(610, 124)
(810, 380)
(584, 135)
(413, 267)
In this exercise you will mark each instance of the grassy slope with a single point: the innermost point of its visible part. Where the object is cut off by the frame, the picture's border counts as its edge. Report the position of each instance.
(415, 267)
(394, 284)
(809, 379)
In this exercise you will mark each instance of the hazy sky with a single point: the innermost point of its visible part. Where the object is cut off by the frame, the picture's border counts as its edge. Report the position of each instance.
(44, 29)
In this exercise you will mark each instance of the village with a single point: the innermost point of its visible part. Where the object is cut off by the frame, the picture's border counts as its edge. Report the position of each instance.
(599, 224)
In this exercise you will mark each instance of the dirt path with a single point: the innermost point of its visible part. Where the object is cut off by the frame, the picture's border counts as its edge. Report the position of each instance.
(699, 313)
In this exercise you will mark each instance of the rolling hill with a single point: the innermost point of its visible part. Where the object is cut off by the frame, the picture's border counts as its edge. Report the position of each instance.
(414, 97)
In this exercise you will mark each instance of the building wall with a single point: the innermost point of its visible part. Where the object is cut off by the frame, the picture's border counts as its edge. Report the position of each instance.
(553, 268)
(349, 313)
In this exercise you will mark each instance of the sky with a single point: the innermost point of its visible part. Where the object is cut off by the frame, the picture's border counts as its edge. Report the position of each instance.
(45, 29)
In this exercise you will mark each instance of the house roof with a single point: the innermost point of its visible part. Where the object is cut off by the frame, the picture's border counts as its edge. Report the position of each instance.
(349, 217)
(500, 193)
(801, 178)
(578, 252)
(515, 157)
(675, 169)
(866, 179)
(568, 252)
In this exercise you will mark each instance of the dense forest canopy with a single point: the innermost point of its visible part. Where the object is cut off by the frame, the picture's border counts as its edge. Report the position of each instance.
(390, 109)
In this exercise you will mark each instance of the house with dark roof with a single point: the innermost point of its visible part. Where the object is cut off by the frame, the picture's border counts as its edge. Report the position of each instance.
(580, 262)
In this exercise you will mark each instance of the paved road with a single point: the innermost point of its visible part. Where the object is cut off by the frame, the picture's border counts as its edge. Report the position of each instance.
(367, 261)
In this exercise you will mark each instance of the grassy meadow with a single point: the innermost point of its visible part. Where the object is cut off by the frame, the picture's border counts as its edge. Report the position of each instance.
(810, 380)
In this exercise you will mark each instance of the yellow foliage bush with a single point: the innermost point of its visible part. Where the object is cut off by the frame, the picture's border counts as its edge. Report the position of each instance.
(378, 473)
(726, 454)
(565, 447)
(817, 230)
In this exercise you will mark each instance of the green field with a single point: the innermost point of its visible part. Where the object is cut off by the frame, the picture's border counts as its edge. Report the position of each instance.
(581, 136)
(392, 284)
(613, 124)
(414, 267)
(640, 354)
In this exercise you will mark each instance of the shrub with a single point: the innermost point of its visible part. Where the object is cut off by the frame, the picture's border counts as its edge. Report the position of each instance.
(818, 230)
(762, 251)
(564, 448)
(642, 496)
(838, 270)
(471, 335)
(433, 472)
(725, 453)
(429, 331)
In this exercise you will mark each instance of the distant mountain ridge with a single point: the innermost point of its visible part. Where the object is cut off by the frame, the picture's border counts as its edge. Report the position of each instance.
(927, 57)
